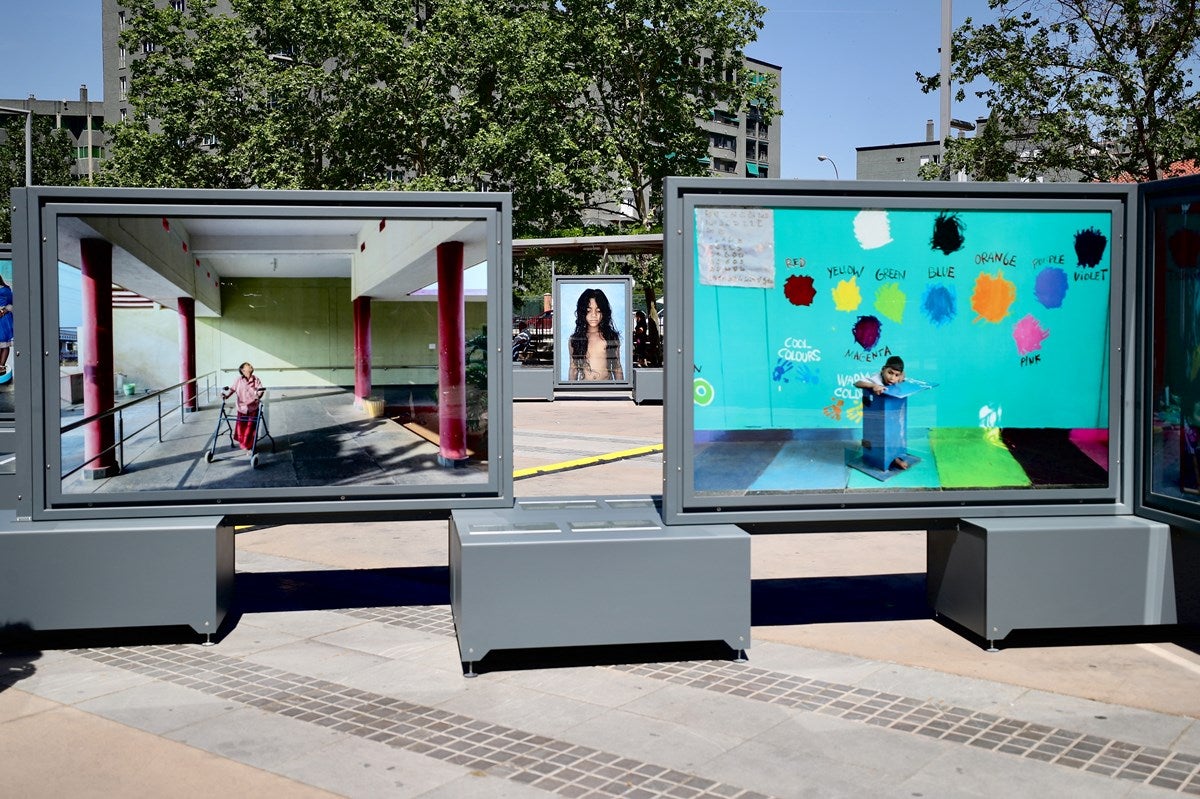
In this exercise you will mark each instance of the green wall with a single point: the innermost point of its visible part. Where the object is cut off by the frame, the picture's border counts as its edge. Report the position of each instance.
(300, 332)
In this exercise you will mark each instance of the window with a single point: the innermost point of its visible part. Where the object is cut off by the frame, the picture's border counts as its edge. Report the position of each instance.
(209, 140)
(179, 5)
(147, 47)
(124, 114)
(121, 57)
(121, 20)
(724, 165)
(124, 87)
(81, 152)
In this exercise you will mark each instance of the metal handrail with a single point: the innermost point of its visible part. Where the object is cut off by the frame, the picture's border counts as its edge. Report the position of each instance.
(118, 412)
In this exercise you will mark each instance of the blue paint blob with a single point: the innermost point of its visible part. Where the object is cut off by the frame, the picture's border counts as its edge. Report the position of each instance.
(939, 304)
(1051, 287)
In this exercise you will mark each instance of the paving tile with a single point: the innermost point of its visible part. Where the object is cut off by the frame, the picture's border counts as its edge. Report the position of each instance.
(158, 707)
(354, 768)
(255, 737)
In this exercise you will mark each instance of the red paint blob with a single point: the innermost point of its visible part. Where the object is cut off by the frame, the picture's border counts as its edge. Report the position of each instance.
(799, 290)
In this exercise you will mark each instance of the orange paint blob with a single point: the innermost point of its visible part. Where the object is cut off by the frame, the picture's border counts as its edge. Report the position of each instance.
(993, 297)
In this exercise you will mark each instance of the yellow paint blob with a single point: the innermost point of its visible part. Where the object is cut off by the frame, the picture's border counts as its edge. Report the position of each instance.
(846, 296)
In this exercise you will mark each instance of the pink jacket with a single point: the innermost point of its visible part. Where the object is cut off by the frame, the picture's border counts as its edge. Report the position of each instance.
(248, 393)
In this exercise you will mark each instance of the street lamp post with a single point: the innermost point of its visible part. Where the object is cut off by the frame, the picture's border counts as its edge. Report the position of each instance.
(28, 140)
(830, 160)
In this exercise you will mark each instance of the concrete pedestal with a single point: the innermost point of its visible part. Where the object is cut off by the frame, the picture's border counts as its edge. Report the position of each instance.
(580, 572)
(533, 383)
(993, 576)
(73, 575)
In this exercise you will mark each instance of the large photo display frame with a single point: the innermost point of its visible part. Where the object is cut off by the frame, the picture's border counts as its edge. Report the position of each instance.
(1003, 308)
(269, 299)
(1168, 440)
(593, 327)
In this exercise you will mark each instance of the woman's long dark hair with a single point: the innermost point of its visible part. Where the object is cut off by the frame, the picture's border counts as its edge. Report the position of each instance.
(579, 337)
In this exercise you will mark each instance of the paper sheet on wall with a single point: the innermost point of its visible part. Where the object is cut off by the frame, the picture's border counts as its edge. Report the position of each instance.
(736, 247)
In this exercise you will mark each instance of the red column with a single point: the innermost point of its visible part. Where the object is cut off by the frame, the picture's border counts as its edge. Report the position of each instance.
(452, 359)
(97, 357)
(187, 350)
(362, 349)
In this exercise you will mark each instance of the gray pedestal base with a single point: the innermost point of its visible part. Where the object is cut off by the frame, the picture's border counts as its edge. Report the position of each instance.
(73, 575)
(647, 385)
(569, 572)
(533, 383)
(993, 576)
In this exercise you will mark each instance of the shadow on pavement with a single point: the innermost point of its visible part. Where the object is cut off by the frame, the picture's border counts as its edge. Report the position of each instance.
(829, 600)
(333, 589)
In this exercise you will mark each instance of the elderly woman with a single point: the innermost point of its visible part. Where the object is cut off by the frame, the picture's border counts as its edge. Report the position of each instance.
(249, 391)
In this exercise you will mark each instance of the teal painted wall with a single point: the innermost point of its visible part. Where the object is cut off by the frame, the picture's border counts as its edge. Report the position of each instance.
(793, 305)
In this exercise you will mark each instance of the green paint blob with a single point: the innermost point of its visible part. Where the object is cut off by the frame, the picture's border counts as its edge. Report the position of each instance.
(890, 301)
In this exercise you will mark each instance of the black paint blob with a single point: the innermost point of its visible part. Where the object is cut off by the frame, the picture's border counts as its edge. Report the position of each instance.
(1089, 246)
(947, 233)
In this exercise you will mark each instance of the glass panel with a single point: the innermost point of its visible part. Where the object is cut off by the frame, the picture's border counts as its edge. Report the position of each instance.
(317, 359)
(999, 321)
(1175, 357)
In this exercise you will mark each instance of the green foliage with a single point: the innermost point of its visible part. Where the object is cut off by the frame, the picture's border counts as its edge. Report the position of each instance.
(1102, 88)
(52, 160)
(568, 105)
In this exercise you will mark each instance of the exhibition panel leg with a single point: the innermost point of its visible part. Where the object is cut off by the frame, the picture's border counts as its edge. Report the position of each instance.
(73, 575)
(588, 572)
(993, 576)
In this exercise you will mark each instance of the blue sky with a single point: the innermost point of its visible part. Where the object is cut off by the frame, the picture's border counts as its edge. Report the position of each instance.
(848, 68)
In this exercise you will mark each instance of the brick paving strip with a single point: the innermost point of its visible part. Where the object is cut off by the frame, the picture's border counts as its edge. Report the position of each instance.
(577, 772)
(1163, 768)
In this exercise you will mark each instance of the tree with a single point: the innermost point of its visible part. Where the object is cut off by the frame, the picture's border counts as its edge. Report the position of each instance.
(653, 68)
(52, 160)
(1103, 88)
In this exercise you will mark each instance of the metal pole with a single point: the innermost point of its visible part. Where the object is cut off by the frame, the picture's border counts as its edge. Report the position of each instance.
(29, 148)
(944, 88)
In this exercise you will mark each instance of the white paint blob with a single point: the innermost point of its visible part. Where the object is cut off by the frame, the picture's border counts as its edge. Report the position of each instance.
(872, 229)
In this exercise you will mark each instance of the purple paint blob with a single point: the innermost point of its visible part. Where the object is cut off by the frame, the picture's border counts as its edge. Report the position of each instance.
(867, 331)
(939, 304)
(1051, 287)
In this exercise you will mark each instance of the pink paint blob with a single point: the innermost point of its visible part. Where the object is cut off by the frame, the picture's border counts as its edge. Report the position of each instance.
(1029, 335)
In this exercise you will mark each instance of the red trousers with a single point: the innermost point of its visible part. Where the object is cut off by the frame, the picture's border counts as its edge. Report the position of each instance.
(244, 429)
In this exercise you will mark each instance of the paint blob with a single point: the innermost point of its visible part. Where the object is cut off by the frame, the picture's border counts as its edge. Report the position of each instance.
(846, 296)
(1029, 335)
(799, 290)
(872, 229)
(947, 233)
(1089, 247)
(703, 392)
(890, 300)
(1051, 287)
(867, 331)
(993, 297)
(939, 304)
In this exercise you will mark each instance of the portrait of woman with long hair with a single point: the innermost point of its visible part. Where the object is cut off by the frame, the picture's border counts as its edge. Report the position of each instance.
(595, 345)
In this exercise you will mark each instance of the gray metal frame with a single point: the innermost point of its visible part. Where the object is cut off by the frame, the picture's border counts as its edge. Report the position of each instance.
(39, 495)
(683, 195)
(1172, 510)
(563, 321)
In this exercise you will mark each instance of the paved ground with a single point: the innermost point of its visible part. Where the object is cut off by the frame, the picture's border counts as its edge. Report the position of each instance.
(339, 675)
